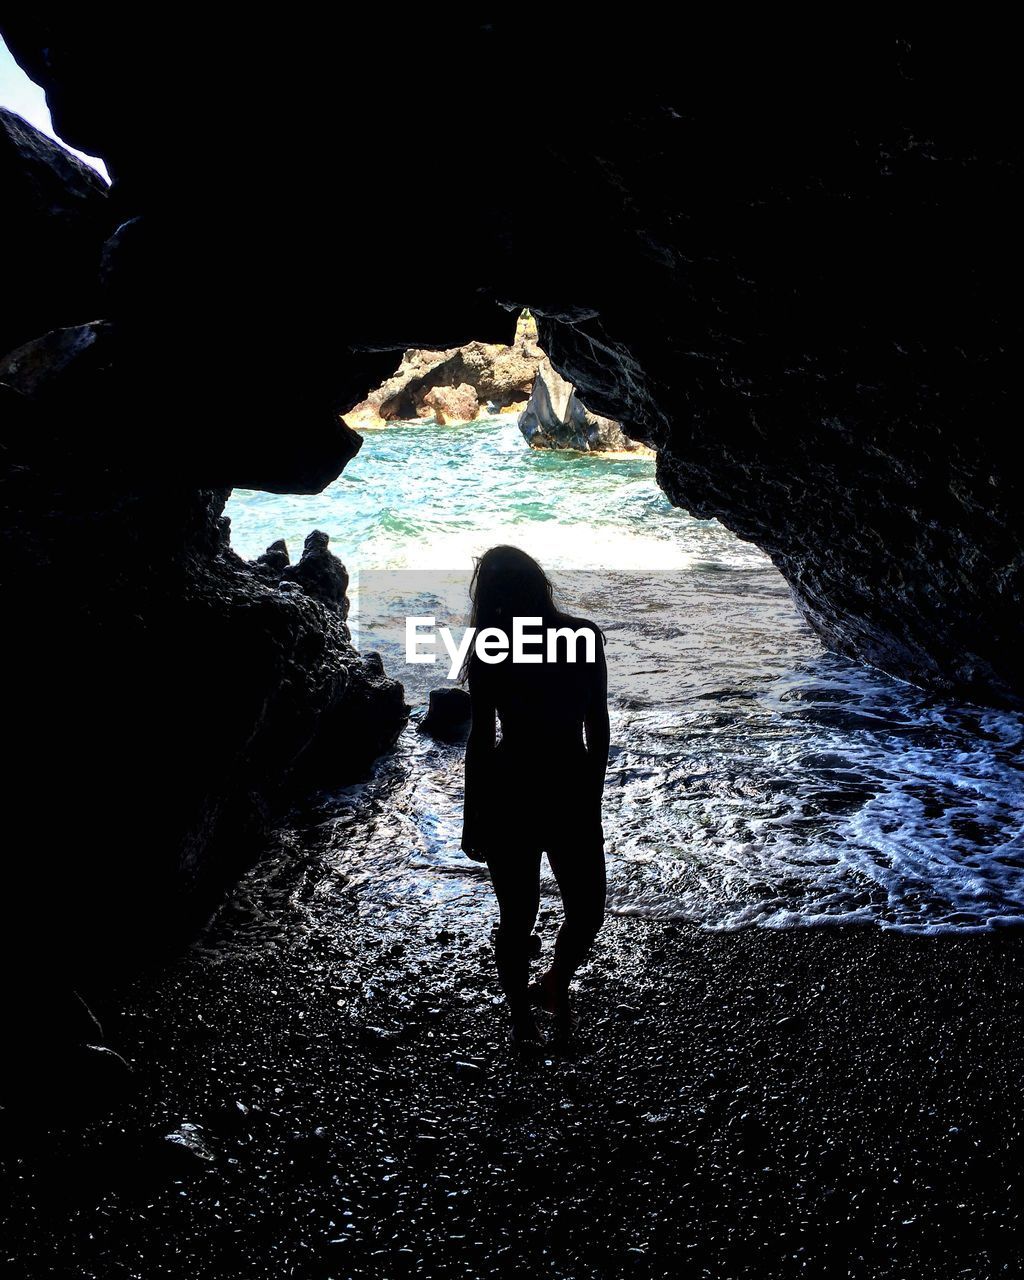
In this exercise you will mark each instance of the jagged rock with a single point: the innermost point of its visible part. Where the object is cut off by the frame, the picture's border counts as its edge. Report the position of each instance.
(274, 560)
(450, 404)
(448, 714)
(554, 418)
(354, 730)
(392, 399)
(36, 366)
(190, 1146)
(498, 375)
(56, 216)
(320, 573)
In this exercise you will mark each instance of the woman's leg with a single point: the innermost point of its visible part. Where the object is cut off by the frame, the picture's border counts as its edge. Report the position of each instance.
(515, 876)
(582, 882)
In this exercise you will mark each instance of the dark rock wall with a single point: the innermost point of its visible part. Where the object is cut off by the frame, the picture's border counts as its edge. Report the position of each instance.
(53, 221)
(813, 312)
(164, 697)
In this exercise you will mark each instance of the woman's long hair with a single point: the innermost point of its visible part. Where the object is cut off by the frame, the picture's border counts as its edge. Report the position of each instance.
(507, 583)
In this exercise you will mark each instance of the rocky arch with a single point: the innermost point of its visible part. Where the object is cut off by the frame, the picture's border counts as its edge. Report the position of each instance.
(793, 267)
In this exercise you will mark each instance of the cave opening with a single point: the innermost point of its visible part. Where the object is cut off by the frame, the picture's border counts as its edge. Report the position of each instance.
(756, 777)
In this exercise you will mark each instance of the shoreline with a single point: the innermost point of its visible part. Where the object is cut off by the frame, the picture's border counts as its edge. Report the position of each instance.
(612, 455)
(744, 1103)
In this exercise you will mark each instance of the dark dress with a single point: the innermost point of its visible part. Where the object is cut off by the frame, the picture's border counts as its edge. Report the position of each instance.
(536, 788)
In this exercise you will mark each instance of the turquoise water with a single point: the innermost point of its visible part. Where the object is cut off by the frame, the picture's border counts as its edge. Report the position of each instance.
(427, 497)
(755, 779)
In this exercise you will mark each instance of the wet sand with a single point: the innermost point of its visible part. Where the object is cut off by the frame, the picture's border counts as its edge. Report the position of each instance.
(748, 1104)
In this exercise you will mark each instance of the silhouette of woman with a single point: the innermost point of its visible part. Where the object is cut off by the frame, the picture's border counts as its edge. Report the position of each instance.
(539, 788)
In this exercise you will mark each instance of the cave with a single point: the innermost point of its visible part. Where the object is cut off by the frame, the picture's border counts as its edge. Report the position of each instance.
(788, 262)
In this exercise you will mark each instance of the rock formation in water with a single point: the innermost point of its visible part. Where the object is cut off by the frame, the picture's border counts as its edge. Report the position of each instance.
(454, 385)
(451, 404)
(319, 572)
(794, 270)
(556, 418)
(448, 716)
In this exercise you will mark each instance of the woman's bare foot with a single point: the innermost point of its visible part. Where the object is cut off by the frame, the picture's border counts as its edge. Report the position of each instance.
(547, 992)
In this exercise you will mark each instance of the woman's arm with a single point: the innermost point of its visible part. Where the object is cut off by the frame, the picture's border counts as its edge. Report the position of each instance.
(595, 721)
(479, 749)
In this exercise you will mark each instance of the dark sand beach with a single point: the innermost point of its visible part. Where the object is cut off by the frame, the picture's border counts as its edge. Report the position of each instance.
(345, 1103)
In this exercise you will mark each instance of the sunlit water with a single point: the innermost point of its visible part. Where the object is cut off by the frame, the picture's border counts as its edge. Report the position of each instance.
(754, 778)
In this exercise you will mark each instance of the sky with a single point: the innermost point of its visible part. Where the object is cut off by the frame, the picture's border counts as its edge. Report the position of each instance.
(19, 94)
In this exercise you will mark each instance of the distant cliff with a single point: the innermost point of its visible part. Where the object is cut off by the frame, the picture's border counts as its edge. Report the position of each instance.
(459, 384)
